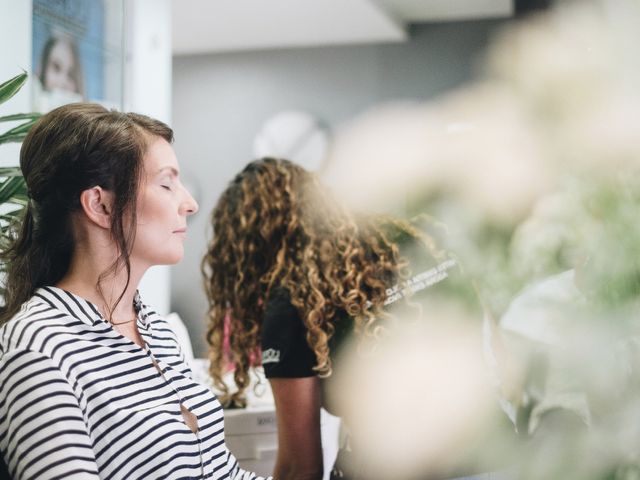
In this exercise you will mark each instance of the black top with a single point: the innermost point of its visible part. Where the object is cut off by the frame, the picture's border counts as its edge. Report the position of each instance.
(285, 350)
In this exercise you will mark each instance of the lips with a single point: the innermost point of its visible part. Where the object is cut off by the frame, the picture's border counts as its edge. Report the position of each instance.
(180, 230)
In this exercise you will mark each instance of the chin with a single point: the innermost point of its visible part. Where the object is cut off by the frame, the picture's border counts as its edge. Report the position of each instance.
(168, 258)
(175, 259)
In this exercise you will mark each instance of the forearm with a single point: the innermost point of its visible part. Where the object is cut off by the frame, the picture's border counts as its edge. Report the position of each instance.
(298, 417)
(292, 469)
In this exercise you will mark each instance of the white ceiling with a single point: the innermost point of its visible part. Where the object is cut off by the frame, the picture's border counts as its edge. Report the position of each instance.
(206, 26)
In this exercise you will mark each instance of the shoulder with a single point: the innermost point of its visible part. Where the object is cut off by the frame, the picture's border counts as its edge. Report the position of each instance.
(279, 302)
(285, 351)
(29, 338)
(37, 326)
(281, 318)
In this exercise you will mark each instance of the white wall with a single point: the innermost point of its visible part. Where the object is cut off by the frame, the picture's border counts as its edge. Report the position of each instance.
(15, 41)
(148, 91)
(148, 63)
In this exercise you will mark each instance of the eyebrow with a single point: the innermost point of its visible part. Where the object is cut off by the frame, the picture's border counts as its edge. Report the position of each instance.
(173, 171)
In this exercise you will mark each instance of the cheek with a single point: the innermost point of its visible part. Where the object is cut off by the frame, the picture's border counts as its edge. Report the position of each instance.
(154, 213)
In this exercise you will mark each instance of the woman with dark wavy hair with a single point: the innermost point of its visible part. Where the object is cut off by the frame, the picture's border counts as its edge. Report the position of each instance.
(93, 382)
(296, 274)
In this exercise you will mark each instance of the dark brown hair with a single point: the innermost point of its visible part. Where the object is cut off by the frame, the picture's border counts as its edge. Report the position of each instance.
(276, 226)
(70, 149)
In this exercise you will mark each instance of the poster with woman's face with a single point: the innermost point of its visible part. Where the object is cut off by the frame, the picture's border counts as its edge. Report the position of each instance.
(77, 52)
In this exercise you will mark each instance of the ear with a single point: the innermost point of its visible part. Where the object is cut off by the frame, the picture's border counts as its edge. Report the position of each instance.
(97, 205)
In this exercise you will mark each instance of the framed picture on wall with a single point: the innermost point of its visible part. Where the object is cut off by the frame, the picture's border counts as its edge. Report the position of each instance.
(77, 52)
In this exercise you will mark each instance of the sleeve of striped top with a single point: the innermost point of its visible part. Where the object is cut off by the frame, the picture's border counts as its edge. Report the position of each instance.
(43, 434)
(237, 473)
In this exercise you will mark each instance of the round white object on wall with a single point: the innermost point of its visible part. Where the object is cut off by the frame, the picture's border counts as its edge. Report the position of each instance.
(293, 135)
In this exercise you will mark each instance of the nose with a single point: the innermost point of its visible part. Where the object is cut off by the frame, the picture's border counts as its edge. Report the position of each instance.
(188, 206)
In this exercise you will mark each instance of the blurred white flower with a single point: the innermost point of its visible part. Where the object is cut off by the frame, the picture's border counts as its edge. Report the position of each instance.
(555, 62)
(577, 78)
(375, 158)
(474, 146)
(496, 167)
(548, 241)
(420, 401)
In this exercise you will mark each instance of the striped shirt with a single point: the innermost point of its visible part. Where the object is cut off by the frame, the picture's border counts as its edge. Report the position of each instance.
(80, 401)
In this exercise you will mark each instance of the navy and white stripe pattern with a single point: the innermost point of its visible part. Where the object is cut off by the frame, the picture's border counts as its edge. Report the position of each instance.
(80, 401)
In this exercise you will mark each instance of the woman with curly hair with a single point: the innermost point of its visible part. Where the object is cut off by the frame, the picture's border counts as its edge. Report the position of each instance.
(292, 273)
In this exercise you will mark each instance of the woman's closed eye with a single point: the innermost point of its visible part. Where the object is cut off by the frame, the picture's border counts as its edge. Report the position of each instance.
(167, 182)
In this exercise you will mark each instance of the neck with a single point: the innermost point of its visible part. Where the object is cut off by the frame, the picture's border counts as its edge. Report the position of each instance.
(84, 279)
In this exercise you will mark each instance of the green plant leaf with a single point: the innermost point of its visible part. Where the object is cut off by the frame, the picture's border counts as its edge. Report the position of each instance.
(22, 128)
(20, 201)
(12, 187)
(11, 216)
(13, 138)
(17, 134)
(9, 88)
(10, 172)
(20, 116)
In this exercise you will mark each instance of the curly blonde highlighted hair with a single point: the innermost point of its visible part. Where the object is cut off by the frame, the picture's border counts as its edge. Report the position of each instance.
(276, 226)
